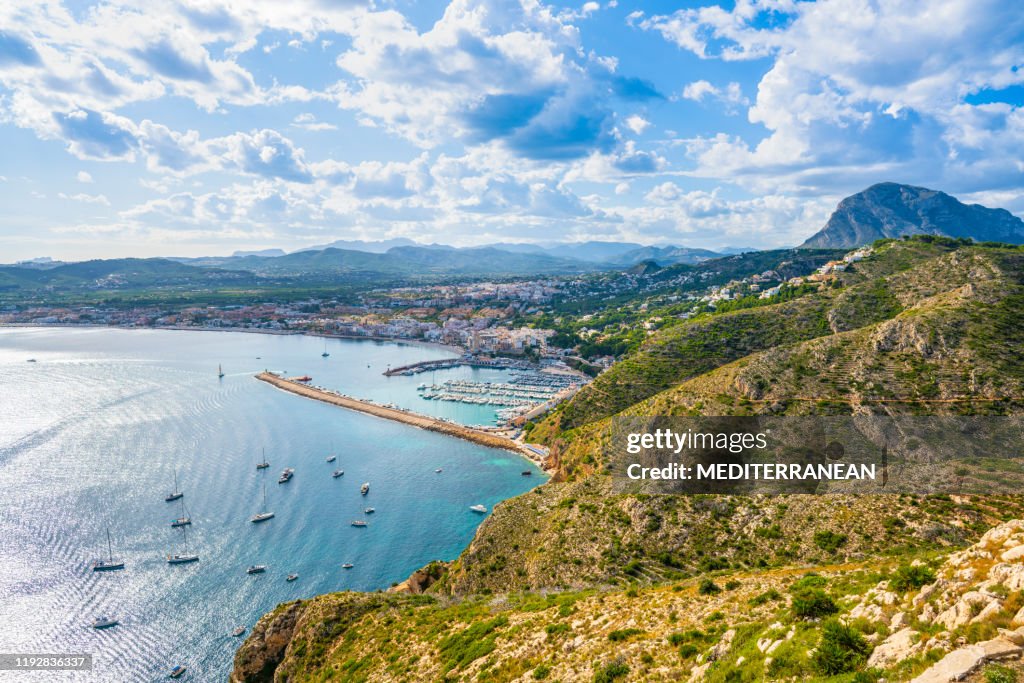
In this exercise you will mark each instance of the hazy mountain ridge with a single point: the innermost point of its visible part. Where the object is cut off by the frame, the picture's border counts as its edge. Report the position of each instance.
(892, 210)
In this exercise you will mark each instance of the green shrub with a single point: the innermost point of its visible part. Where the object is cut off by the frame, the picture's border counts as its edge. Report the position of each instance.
(907, 578)
(708, 587)
(459, 649)
(841, 649)
(811, 580)
(829, 541)
(624, 634)
(541, 672)
(556, 629)
(732, 585)
(611, 672)
(996, 673)
(769, 595)
(712, 564)
(812, 603)
(688, 650)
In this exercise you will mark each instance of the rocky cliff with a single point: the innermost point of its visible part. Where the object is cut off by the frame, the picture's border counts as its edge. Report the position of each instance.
(894, 210)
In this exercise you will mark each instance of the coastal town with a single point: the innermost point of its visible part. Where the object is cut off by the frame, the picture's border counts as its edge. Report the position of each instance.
(585, 322)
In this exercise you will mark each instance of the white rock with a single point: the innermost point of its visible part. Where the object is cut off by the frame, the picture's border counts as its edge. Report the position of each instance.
(898, 621)
(963, 610)
(989, 611)
(1013, 554)
(697, 673)
(959, 664)
(1009, 575)
(897, 647)
(869, 611)
(1015, 637)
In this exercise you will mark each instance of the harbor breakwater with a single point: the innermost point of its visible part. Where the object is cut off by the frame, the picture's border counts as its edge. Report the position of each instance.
(408, 417)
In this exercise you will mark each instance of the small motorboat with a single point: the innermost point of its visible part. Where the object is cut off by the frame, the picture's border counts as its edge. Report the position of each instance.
(286, 475)
(337, 473)
(358, 522)
(370, 511)
(177, 672)
(438, 470)
(256, 569)
(527, 473)
(104, 622)
(331, 458)
(291, 577)
(238, 631)
(365, 488)
(33, 360)
(478, 508)
(347, 565)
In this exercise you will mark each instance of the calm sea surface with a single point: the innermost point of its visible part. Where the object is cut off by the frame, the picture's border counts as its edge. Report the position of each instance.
(92, 433)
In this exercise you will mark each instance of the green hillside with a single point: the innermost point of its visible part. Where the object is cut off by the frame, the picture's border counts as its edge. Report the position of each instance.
(645, 587)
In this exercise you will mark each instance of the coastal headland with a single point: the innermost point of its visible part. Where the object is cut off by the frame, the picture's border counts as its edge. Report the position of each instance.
(433, 424)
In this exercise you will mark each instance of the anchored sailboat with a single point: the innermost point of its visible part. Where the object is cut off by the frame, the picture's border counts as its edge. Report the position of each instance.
(220, 371)
(263, 515)
(262, 465)
(175, 494)
(185, 557)
(182, 520)
(325, 354)
(110, 563)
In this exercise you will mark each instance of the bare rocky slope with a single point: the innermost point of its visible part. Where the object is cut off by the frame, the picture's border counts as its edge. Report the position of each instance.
(889, 210)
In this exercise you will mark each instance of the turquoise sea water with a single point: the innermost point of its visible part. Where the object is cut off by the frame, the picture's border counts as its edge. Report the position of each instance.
(90, 436)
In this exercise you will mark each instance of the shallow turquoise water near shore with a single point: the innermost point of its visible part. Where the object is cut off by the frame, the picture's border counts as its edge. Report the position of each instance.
(90, 436)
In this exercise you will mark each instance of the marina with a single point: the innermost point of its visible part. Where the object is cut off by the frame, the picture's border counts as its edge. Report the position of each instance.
(391, 412)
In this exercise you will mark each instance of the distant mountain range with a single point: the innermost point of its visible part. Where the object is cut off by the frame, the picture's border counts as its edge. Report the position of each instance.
(624, 254)
(894, 210)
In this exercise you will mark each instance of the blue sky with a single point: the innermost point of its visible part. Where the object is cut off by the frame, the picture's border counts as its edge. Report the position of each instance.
(191, 128)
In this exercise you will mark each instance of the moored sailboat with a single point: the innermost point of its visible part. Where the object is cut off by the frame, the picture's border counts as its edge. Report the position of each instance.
(175, 494)
(184, 557)
(109, 564)
(183, 519)
(263, 515)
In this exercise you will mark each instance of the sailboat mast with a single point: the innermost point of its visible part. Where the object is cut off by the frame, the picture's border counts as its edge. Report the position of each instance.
(110, 551)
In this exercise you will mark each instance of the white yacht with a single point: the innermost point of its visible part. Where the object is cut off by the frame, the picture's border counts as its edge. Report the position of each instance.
(478, 508)
(104, 622)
